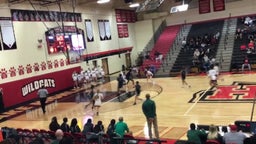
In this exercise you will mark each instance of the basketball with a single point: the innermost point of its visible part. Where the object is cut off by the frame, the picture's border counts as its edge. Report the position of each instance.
(95, 97)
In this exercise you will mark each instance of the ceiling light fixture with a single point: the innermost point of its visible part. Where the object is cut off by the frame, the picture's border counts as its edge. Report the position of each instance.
(133, 5)
(102, 1)
(179, 8)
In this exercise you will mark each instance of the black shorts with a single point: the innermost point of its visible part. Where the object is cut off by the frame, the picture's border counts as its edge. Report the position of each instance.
(213, 81)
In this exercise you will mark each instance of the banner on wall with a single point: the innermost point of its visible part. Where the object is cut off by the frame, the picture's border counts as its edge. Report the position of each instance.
(25, 90)
(8, 40)
(204, 6)
(127, 16)
(89, 30)
(104, 29)
(122, 30)
(218, 5)
(29, 15)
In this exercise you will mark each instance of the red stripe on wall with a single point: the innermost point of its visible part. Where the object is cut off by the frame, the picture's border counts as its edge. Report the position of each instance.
(25, 90)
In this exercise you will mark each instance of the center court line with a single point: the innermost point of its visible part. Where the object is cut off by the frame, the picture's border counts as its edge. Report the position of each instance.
(191, 107)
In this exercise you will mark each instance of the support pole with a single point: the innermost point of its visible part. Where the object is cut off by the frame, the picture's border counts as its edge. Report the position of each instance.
(253, 105)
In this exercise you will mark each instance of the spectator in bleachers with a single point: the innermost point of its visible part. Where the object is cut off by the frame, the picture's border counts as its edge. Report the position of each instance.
(59, 136)
(248, 21)
(206, 63)
(239, 33)
(217, 35)
(54, 125)
(196, 57)
(195, 135)
(99, 128)
(251, 47)
(156, 54)
(147, 55)
(234, 137)
(191, 43)
(213, 134)
(159, 57)
(246, 63)
(196, 54)
(121, 127)
(74, 128)
(64, 126)
(88, 127)
(212, 61)
(183, 42)
(111, 130)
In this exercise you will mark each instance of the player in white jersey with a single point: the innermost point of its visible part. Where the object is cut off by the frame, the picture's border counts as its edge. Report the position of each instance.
(213, 75)
(94, 76)
(98, 97)
(80, 79)
(75, 79)
(86, 77)
(149, 75)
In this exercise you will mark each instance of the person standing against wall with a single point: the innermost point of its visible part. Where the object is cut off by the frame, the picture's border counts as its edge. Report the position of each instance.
(42, 94)
(149, 110)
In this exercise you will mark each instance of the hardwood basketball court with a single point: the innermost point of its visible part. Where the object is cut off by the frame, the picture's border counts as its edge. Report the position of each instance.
(176, 106)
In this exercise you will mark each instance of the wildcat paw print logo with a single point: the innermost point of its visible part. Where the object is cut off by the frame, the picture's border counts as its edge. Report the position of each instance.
(236, 93)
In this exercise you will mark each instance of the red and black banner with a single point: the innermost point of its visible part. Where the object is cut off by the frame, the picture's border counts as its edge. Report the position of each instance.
(218, 5)
(204, 6)
(127, 16)
(122, 30)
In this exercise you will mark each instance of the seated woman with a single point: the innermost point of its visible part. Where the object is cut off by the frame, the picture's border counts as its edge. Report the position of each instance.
(246, 63)
(214, 135)
(239, 33)
(251, 46)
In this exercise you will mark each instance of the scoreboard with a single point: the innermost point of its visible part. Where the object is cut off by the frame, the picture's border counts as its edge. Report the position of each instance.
(63, 39)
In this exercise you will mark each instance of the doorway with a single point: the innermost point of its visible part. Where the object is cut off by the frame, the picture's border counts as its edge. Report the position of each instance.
(105, 66)
(128, 60)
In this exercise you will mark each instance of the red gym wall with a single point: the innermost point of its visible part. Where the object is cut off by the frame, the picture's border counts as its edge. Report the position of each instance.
(24, 90)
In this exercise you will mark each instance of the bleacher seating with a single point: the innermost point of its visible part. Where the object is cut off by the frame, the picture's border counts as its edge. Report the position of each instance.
(185, 56)
(162, 46)
(241, 46)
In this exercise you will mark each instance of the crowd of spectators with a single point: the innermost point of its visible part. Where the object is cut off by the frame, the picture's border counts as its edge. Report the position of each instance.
(246, 32)
(66, 134)
(214, 135)
(203, 48)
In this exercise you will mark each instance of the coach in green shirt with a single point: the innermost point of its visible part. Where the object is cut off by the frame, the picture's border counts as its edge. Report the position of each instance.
(149, 110)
